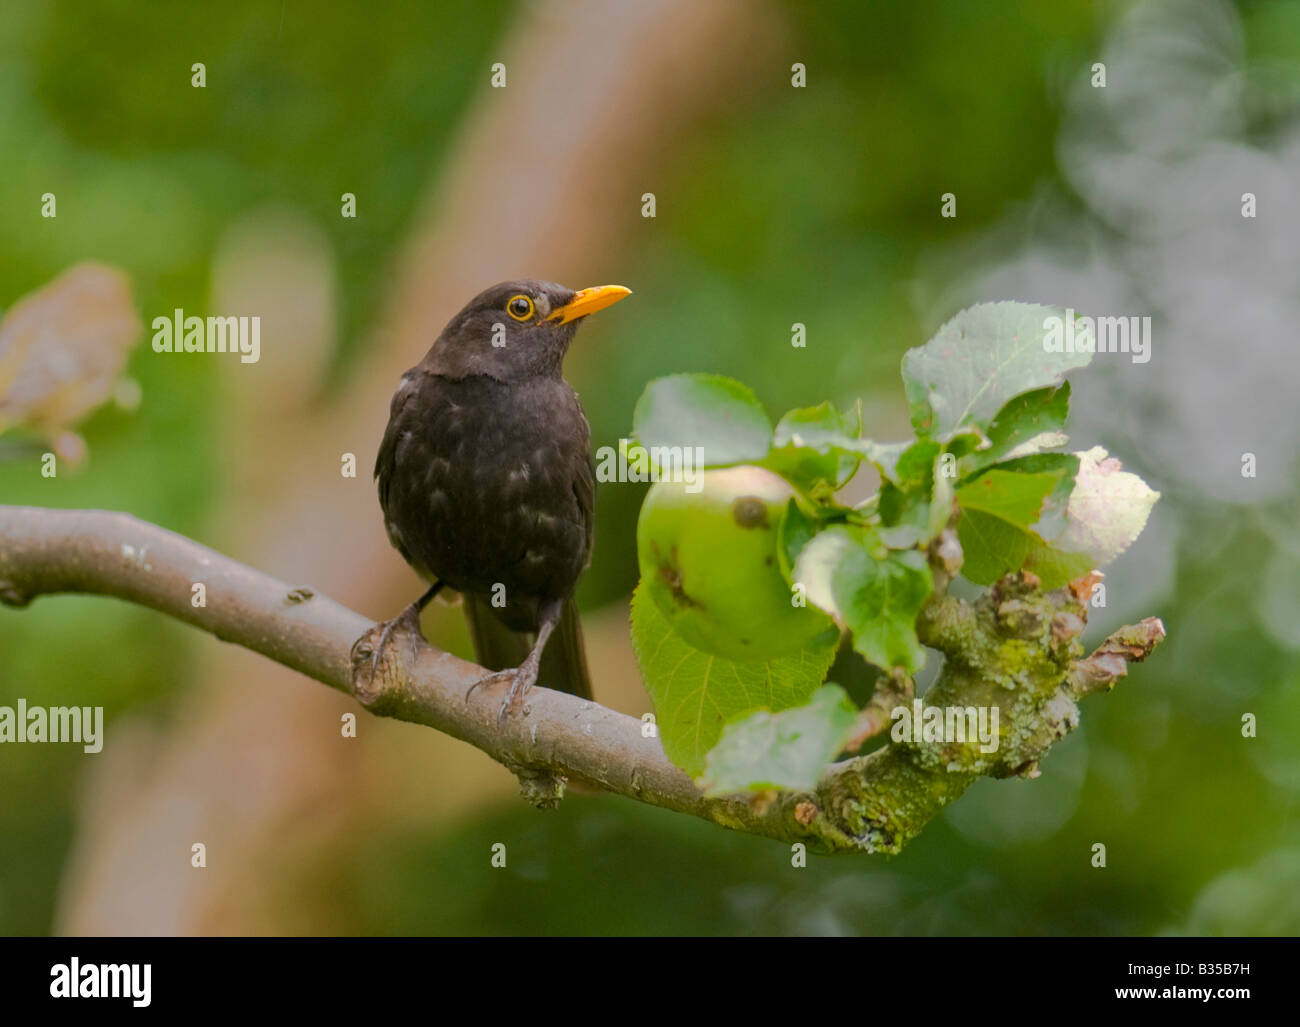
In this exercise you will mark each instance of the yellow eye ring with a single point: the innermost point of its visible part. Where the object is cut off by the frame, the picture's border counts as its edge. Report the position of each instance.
(520, 307)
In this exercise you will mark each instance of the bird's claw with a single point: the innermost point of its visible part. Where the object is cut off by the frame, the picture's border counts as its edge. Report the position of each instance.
(408, 620)
(520, 682)
(385, 636)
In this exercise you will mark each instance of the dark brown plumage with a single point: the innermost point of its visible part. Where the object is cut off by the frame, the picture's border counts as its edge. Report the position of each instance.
(487, 484)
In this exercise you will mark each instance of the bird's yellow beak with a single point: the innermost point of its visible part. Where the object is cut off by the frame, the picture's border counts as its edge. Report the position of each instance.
(588, 301)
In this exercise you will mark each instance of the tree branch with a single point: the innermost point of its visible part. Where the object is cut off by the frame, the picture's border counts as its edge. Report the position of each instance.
(872, 803)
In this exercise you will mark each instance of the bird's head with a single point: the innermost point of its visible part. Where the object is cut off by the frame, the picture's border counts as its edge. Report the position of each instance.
(517, 329)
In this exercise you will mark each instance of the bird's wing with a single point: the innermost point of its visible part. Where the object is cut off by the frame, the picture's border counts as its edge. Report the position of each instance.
(584, 490)
(385, 458)
(399, 414)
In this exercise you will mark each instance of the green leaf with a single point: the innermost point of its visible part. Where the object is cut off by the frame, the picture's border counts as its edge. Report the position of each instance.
(966, 440)
(983, 357)
(915, 503)
(1009, 495)
(719, 415)
(816, 445)
(794, 532)
(1090, 516)
(1003, 513)
(875, 593)
(1051, 519)
(1027, 424)
(905, 492)
(695, 693)
(942, 498)
(994, 547)
(885, 456)
(789, 749)
(916, 464)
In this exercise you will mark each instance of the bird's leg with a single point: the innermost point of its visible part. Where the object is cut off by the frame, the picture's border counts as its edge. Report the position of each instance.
(409, 621)
(524, 676)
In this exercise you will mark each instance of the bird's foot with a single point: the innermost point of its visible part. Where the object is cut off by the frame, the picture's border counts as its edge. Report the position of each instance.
(521, 679)
(369, 651)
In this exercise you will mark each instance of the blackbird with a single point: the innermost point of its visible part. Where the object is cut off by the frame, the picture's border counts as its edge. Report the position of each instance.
(487, 483)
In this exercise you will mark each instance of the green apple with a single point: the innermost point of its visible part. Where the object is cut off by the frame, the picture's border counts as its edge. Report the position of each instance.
(709, 561)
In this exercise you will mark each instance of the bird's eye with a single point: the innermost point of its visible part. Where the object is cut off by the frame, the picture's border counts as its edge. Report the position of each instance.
(520, 307)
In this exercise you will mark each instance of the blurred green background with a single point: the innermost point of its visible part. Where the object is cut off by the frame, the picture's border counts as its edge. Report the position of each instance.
(818, 205)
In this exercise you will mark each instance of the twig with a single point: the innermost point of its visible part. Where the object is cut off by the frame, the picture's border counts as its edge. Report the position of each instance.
(555, 737)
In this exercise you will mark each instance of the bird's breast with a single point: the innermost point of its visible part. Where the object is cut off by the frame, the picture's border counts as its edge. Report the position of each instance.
(483, 488)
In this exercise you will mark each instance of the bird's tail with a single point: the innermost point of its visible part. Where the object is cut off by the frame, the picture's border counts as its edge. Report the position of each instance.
(564, 661)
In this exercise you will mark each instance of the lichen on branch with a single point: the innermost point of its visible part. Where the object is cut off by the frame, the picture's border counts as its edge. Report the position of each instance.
(1015, 649)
